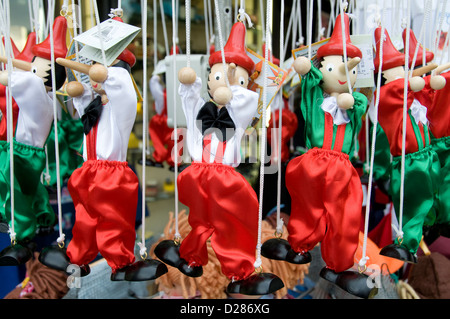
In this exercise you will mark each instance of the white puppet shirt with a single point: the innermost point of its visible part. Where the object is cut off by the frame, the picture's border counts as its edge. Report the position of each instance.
(241, 108)
(117, 118)
(35, 108)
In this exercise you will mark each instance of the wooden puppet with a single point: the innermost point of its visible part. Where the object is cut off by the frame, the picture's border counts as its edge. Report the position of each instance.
(421, 162)
(104, 189)
(223, 206)
(30, 89)
(325, 188)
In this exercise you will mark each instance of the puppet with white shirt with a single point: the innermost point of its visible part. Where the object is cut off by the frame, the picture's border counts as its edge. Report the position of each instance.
(104, 189)
(223, 207)
(31, 86)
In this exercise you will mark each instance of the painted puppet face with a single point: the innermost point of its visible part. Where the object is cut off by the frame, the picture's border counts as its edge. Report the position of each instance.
(334, 75)
(393, 74)
(41, 67)
(236, 76)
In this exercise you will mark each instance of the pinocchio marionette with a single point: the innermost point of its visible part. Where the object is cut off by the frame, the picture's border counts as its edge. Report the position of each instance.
(421, 171)
(223, 206)
(30, 89)
(104, 189)
(325, 188)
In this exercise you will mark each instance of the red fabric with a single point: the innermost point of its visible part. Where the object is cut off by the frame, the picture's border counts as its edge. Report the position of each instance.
(288, 128)
(390, 117)
(163, 141)
(223, 207)
(3, 106)
(105, 195)
(326, 206)
(438, 113)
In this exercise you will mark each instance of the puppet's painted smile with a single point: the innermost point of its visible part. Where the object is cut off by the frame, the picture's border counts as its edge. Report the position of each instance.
(342, 83)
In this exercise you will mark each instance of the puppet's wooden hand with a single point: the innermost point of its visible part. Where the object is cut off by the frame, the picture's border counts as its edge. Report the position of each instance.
(345, 101)
(187, 75)
(4, 78)
(74, 88)
(416, 83)
(302, 65)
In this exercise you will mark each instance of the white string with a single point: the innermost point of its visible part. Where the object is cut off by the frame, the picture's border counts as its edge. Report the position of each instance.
(310, 15)
(299, 23)
(155, 34)
(291, 19)
(364, 258)
(9, 114)
(143, 249)
(187, 7)
(99, 27)
(279, 227)
(258, 261)
(205, 12)
(405, 110)
(263, 32)
(422, 29)
(219, 31)
(443, 11)
(60, 239)
(331, 19)
(163, 21)
(342, 6)
(175, 128)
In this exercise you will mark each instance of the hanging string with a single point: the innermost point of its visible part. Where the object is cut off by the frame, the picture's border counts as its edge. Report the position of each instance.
(9, 113)
(188, 32)
(364, 258)
(219, 31)
(279, 227)
(343, 7)
(405, 110)
(142, 247)
(207, 35)
(436, 43)
(422, 29)
(291, 19)
(263, 32)
(99, 27)
(163, 21)
(61, 238)
(331, 19)
(310, 17)
(175, 128)
(258, 261)
(301, 39)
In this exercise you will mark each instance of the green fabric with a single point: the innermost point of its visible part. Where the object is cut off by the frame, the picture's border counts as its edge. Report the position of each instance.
(31, 201)
(70, 136)
(442, 148)
(421, 178)
(382, 156)
(312, 98)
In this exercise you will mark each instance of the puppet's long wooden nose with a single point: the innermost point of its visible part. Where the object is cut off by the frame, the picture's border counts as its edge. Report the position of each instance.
(74, 65)
(23, 65)
(350, 64)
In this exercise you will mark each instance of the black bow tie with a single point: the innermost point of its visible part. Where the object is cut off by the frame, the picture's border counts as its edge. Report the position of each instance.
(211, 119)
(92, 114)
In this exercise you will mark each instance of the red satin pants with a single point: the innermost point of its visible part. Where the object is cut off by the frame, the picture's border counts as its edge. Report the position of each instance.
(105, 195)
(327, 198)
(224, 207)
(161, 136)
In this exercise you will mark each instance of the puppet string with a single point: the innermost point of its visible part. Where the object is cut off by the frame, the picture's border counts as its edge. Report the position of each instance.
(100, 37)
(310, 17)
(342, 5)
(258, 261)
(219, 30)
(363, 260)
(425, 19)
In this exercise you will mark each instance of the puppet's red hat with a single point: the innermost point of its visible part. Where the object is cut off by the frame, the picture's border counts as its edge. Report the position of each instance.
(26, 54)
(43, 49)
(335, 46)
(126, 55)
(272, 58)
(234, 50)
(15, 50)
(176, 49)
(412, 49)
(391, 56)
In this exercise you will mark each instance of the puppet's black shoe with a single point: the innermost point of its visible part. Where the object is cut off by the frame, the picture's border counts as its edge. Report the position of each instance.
(257, 284)
(398, 252)
(169, 253)
(298, 258)
(143, 270)
(275, 248)
(54, 257)
(356, 284)
(15, 255)
(329, 275)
